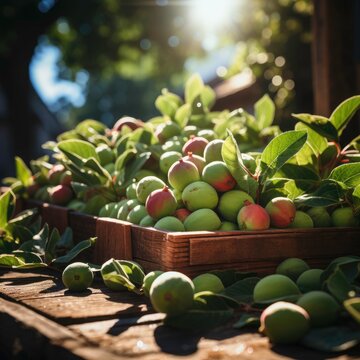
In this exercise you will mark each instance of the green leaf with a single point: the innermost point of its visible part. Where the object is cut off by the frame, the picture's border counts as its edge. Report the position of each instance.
(76, 250)
(81, 148)
(182, 115)
(338, 286)
(50, 245)
(38, 242)
(242, 290)
(331, 339)
(208, 97)
(83, 176)
(133, 271)
(352, 306)
(348, 174)
(297, 172)
(131, 169)
(356, 200)
(264, 111)
(315, 141)
(232, 157)
(319, 124)
(23, 173)
(279, 151)
(124, 158)
(10, 260)
(94, 165)
(66, 239)
(247, 320)
(27, 257)
(7, 200)
(25, 218)
(327, 194)
(166, 105)
(344, 112)
(193, 88)
(90, 127)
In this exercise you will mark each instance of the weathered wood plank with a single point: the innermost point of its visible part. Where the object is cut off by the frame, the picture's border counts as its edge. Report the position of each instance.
(31, 336)
(47, 295)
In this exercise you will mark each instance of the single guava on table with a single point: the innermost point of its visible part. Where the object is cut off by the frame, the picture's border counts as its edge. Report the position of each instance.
(172, 293)
(292, 267)
(149, 279)
(309, 280)
(77, 276)
(274, 286)
(323, 309)
(208, 282)
(284, 322)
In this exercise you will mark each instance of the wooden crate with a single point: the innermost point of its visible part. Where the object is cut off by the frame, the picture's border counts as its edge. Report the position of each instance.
(199, 251)
(113, 236)
(260, 251)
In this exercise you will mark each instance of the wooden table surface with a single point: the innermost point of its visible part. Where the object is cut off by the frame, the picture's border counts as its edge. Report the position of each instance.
(40, 319)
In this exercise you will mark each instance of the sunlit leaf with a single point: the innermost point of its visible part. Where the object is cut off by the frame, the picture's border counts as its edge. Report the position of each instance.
(264, 111)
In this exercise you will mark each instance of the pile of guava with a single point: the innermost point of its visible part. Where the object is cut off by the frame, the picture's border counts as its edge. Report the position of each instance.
(193, 169)
(298, 304)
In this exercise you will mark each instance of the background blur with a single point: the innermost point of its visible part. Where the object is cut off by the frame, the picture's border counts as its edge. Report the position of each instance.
(66, 60)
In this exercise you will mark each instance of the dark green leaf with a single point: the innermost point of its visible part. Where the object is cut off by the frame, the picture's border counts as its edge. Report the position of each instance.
(242, 290)
(20, 232)
(356, 200)
(348, 174)
(23, 173)
(327, 194)
(76, 250)
(38, 242)
(66, 240)
(25, 218)
(94, 165)
(50, 246)
(338, 285)
(331, 339)
(264, 111)
(247, 320)
(279, 151)
(27, 257)
(319, 124)
(344, 112)
(297, 172)
(131, 169)
(227, 277)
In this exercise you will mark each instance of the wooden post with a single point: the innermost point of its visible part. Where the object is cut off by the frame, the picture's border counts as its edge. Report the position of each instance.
(334, 57)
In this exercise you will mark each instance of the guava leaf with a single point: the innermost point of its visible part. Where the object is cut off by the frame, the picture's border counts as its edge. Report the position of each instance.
(166, 105)
(66, 239)
(319, 124)
(331, 339)
(348, 174)
(120, 279)
(7, 201)
(124, 158)
(279, 151)
(242, 290)
(352, 306)
(247, 320)
(38, 242)
(81, 148)
(344, 112)
(76, 250)
(89, 127)
(50, 245)
(227, 277)
(27, 257)
(20, 232)
(232, 157)
(10, 260)
(23, 173)
(193, 88)
(86, 177)
(133, 270)
(356, 200)
(208, 97)
(338, 286)
(182, 115)
(297, 172)
(24, 218)
(327, 194)
(264, 111)
(94, 165)
(317, 142)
